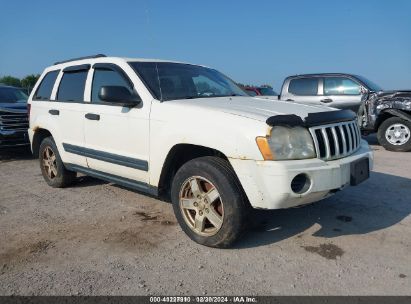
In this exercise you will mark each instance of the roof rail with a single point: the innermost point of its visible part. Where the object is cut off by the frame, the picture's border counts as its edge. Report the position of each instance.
(79, 58)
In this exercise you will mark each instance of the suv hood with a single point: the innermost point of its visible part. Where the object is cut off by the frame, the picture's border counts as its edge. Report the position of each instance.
(253, 107)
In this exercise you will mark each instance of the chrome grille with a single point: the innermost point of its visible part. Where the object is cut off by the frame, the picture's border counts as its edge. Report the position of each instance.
(10, 121)
(336, 140)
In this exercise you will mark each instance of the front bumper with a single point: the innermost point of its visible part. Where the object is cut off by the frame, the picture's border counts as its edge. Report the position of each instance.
(268, 183)
(12, 138)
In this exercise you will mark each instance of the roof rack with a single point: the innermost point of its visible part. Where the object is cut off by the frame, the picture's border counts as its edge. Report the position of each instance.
(80, 58)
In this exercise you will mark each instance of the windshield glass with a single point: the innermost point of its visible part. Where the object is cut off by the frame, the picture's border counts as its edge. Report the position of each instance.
(12, 95)
(267, 92)
(370, 85)
(168, 81)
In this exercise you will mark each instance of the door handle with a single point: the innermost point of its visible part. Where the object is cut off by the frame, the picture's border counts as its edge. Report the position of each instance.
(92, 116)
(54, 112)
(327, 100)
(290, 100)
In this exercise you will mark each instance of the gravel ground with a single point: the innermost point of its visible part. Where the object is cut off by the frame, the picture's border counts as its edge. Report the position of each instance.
(97, 238)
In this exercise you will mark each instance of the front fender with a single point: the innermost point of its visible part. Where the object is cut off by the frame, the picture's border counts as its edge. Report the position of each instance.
(399, 113)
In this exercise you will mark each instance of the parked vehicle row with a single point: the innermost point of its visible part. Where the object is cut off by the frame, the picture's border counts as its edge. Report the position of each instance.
(13, 117)
(188, 133)
(388, 113)
(261, 92)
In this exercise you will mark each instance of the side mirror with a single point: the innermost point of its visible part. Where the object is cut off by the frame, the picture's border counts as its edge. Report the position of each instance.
(119, 95)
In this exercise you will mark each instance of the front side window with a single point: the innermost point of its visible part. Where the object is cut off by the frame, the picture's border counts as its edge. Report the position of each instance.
(168, 81)
(303, 86)
(340, 86)
(46, 86)
(12, 95)
(106, 77)
(72, 86)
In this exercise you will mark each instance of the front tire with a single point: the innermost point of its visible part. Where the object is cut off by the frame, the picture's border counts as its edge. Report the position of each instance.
(394, 134)
(52, 167)
(208, 202)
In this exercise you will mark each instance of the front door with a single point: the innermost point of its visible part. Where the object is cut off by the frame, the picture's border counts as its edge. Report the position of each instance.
(116, 137)
(342, 93)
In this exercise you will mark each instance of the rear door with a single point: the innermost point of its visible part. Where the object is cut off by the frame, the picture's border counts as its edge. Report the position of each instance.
(66, 113)
(303, 90)
(342, 93)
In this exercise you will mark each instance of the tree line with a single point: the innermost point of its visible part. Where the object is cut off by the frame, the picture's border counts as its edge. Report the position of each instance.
(27, 83)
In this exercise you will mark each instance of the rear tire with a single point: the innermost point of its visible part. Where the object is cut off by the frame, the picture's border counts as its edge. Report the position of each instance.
(209, 202)
(52, 167)
(394, 134)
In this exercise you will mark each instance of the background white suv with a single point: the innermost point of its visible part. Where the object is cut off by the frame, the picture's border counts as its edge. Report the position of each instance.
(188, 132)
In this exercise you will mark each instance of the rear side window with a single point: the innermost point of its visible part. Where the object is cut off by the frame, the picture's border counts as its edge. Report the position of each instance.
(304, 86)
(103, 77)
(72, 86)
(46, 86)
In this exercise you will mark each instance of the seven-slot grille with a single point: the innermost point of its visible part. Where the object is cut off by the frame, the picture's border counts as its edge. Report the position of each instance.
(13, 121)
(336, 140)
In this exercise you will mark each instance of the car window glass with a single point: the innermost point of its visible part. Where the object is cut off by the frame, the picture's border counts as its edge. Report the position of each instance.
(46, 86)
(12, 95)
(340, 86)
(104, 77)
(304, 86)
(168, 81)
(268, 92)
(206, 86)
(72, 86)
(251, 92)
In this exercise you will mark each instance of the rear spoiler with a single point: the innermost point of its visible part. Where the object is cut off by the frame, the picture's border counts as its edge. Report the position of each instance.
(312, 120)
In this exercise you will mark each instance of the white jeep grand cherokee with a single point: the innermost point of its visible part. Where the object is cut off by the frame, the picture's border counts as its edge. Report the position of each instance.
(188, 132)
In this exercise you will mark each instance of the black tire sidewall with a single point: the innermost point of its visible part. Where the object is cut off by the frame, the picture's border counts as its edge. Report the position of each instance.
(232, 197)
(383, 141)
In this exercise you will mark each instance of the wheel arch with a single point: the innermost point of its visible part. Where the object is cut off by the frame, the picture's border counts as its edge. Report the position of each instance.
(38, 136)
(178, 155)
(392, 113)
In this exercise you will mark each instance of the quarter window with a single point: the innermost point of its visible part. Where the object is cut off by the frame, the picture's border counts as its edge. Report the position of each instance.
(104, 77)
(72, 86)
(46, 86)
(340, 86)
(303, 86)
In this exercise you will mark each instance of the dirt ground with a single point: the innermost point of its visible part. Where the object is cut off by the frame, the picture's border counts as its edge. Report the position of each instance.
(97, 238)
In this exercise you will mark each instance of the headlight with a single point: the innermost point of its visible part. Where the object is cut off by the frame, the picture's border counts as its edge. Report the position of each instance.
(287, 143)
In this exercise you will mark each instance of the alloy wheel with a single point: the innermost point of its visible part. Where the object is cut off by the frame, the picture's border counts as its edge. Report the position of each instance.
(49, 163)
(201, 206)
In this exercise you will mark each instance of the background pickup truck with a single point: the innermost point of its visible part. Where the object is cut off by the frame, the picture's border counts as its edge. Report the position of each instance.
(343, 91)
(387, 113)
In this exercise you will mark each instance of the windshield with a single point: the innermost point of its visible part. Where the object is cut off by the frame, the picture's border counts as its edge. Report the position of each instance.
(267, 92)
(12, 95)
(169, 81)
(370, 85)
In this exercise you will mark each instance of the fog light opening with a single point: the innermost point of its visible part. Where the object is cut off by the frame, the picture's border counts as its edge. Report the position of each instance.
(300, 183)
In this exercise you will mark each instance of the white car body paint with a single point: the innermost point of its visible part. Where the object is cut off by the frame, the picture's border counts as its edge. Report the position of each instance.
(148, 132)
